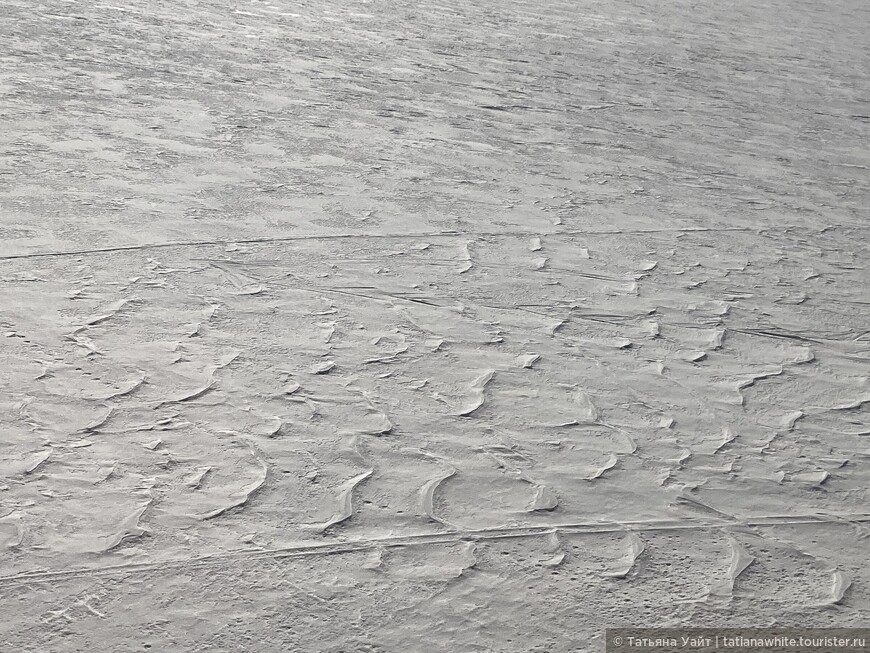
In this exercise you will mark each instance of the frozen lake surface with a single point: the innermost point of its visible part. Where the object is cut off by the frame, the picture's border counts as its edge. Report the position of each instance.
(391, 326)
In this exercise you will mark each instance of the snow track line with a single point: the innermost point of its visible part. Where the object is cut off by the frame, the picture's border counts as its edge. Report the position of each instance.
(370, 236)
(444, 537)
